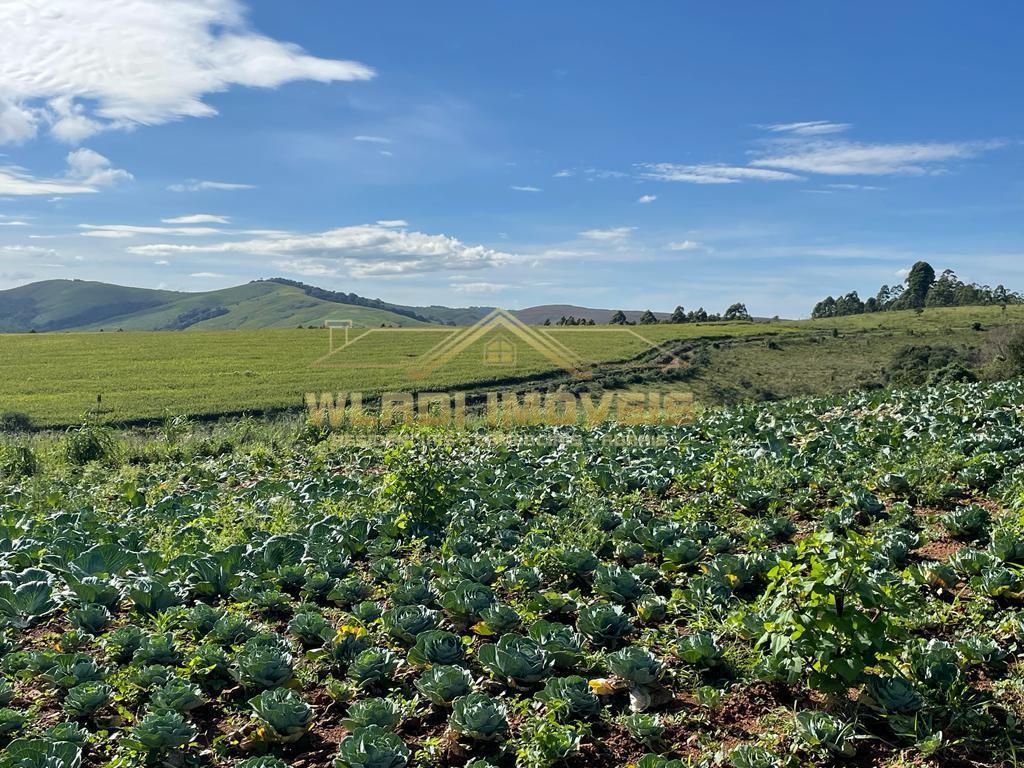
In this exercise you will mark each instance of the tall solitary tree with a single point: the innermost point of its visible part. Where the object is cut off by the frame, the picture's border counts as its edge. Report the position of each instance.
(919, 281)
(619, 318)
(737, 311)
(679, 316)
(648, 318)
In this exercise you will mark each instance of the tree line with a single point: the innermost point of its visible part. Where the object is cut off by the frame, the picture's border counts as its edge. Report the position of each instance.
(921, 289)
(736, 311)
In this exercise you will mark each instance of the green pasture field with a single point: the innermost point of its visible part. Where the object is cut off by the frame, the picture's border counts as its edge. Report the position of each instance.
(56, 378)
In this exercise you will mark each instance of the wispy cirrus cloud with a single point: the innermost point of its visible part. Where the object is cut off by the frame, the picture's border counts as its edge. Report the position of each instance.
(77, 68)
(115, 231)
(712, 173)
(198, 185)
(611, 234)
(197, 218)
(847, 158)
(808, 128)
(478, 288)
(645, 199)
(518, 188)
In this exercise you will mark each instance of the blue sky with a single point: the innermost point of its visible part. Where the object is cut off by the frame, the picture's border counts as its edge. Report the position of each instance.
(607, 154)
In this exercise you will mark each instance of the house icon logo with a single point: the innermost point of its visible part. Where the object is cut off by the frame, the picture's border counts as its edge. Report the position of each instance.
(507, 331)
(500, 352)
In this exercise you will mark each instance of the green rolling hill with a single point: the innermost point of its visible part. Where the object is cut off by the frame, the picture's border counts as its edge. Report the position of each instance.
(79, 305)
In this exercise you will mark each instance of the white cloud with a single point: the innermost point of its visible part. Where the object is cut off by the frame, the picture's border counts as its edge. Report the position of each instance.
(612, 234)
(197, 185)
(87, 170)
(93, 169)
(128, 230)
(685, 245)
(644, 199)
(30, 250)
(69, 123)
(809, 128)
(17, 124)
(372, 139)
(162, 263)
(361, 250)
(478, 287)
(563, 174)
(712, 173)
(526, 189)
(846, 158)
(207, 275)
(393, 223)
(15, 223)
(860, 187)
(89, 66)
(198, 218)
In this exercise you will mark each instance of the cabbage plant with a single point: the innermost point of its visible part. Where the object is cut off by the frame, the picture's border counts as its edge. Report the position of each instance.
(604, 625)
(637, 665)
(381, 712)
(284, 715)
(820, 730)
(569, 698)
(161, 732)
(436, 646)
(87, 699)
(518, 660)
(479, 717)
(443, 684)
(372, 747)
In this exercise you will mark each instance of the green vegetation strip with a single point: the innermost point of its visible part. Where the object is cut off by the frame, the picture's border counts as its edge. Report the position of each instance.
(53, 379)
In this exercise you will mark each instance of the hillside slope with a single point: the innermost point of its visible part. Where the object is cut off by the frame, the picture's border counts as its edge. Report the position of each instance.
(250, 306)
(80, 305)
(54, 305)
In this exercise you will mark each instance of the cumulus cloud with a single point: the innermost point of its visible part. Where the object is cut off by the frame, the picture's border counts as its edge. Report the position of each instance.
(611, 234)
(809, 128)
(711, 173)
(644, 199)
(198, 185)
(93, 169)
(361, 250)
(847, 158)
(86, 172)
(81, 67)
(17, 124)
(197, 218)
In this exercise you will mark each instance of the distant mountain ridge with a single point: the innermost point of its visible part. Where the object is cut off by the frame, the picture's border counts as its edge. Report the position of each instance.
(85, 305)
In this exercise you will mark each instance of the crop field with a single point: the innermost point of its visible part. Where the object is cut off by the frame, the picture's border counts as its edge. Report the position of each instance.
(821, 582)
(56, 378)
